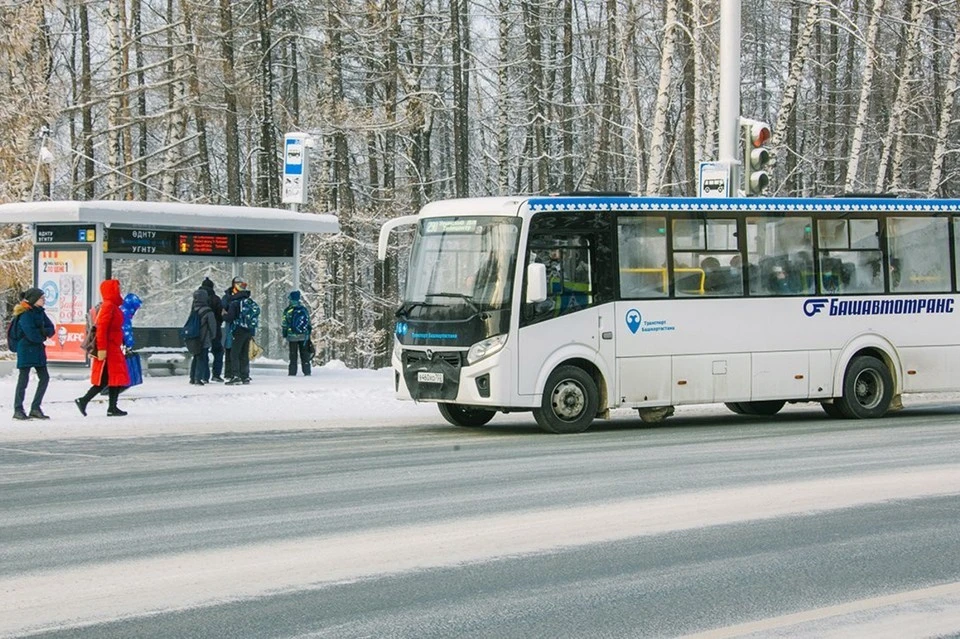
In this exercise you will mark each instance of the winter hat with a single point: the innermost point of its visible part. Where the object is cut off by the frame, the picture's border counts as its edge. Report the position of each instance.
(32, 295)
(294, 296)
(239, 283)
(207, 283)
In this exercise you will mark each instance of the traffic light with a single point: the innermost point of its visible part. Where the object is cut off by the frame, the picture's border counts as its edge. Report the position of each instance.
(755, 156)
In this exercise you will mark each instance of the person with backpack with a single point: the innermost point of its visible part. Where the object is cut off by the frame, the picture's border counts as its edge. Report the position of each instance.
(109, 367)
(243, 314)
(206, 332)
(28, 330)
(216, 346)
(295, 328)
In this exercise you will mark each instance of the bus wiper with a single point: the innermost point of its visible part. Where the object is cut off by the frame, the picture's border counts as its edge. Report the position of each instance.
(466, 298)
(409, 306)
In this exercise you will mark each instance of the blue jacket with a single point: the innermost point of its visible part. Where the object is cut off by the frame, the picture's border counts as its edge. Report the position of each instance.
(33, 328)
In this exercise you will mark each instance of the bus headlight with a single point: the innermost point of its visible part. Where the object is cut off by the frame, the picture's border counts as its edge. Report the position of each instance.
(486, 348)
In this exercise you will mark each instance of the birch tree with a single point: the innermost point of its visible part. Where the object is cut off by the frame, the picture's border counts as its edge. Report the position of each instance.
(895, 139)
(658, 135)
(866, 90)
(947, 104)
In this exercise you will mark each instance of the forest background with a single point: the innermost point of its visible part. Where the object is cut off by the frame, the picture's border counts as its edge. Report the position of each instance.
(417, 100)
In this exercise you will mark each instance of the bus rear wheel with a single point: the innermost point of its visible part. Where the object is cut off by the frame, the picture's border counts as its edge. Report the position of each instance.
(867, 389)
(736, 407)
(570, 401)
(764, 409)
(466, 416)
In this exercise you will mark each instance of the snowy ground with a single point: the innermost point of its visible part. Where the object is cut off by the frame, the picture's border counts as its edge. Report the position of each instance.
(333, 396)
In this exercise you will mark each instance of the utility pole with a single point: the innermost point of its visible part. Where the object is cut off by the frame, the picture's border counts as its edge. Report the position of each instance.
(722, 178)
(730, 86)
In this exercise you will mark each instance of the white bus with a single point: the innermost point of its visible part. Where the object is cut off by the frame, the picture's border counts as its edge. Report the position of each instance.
(572, 305)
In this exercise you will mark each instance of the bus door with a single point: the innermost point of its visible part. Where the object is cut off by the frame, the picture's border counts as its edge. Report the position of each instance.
(569, 318)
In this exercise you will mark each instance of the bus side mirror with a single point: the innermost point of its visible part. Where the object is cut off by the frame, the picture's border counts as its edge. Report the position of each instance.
(536, 283)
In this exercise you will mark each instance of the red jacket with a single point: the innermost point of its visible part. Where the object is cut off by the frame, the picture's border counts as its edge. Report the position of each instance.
(110, 337)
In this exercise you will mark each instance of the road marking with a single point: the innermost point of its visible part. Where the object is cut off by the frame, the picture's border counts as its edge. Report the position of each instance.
(48, 453)
(95, 593)
(819, 614)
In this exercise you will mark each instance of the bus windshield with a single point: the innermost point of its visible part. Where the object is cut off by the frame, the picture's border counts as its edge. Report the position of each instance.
(463, 261)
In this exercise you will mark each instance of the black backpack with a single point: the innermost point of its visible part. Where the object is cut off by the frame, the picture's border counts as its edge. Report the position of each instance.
(13, 334)
(190, 333)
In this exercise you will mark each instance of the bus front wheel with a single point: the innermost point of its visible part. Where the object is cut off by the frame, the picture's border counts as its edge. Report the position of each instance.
(466, 416)
(570, 401)
(833, 410)
(867, 389)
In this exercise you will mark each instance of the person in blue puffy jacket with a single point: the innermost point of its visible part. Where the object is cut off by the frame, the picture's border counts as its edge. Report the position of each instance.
(32, 328)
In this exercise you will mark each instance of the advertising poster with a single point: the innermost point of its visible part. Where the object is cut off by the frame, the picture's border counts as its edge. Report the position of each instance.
(64, 278)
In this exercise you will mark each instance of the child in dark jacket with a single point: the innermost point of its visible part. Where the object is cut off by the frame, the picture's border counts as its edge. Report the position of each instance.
(32, 328)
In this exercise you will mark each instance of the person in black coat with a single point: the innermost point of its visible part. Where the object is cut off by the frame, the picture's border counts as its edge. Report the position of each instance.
(216, 346)
(200, 365)
(240, 336)
(32, 329)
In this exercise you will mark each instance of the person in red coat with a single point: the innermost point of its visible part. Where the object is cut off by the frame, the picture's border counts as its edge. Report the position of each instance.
(109, 368)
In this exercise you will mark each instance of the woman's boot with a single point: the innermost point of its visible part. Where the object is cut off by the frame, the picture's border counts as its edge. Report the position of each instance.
(113, 411)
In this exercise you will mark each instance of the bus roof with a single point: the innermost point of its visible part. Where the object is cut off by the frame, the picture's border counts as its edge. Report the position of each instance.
(759, 204)
(514, 204)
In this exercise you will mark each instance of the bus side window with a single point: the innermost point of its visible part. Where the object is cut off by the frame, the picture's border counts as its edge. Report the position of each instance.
(920, 248)
(643, 249)
(780, 250)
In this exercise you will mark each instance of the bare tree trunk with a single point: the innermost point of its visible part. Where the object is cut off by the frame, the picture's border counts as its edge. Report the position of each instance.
(268, 182)
(658, 135)
(566, 95)
(897, 130)
(141, 115)
(947, 104)
(461, 98)
(599, 166)
(232, 133)
(535, 95)
(503, 92)
(788, 103)
(866, 90)
(115, 30)
(86, 100)
(196, 97)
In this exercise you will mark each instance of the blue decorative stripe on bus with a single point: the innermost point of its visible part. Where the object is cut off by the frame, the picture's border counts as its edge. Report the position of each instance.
(837, 307)
(765, 205)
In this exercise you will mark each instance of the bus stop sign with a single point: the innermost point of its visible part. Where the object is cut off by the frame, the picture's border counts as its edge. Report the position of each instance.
(295, 168)
(714, 180)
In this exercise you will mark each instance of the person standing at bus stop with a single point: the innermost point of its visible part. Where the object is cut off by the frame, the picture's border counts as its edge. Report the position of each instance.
(216, 346)
(31, 328)
(242, 313)
(295, 328)
(109, 368)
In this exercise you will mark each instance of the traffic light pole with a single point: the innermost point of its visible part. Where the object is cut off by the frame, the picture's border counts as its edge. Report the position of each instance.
(729, 115)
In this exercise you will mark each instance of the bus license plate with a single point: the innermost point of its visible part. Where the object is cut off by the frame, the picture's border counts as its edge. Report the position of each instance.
(430, 378)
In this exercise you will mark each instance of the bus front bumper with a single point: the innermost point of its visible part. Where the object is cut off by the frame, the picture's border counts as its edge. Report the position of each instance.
(444, 376)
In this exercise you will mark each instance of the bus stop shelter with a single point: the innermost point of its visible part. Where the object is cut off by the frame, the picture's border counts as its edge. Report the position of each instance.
(161, 251)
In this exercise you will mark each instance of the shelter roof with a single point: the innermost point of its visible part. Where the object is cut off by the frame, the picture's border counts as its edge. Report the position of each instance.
(169, 215)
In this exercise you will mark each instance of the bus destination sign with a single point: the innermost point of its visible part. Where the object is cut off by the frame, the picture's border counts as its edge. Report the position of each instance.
(152, 242)
(205, 244)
